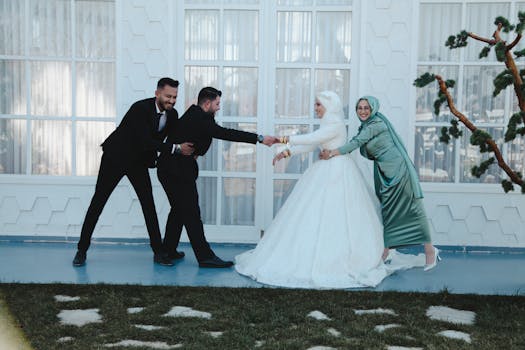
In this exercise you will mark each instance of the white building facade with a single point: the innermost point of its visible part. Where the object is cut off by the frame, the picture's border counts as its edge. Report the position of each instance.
(71, 69)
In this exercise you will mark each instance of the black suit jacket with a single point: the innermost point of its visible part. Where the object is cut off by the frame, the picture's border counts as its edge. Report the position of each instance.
(200, 128)
(137, 140)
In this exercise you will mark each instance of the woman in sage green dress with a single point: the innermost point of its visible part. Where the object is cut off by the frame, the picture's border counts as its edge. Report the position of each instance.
(395, 179)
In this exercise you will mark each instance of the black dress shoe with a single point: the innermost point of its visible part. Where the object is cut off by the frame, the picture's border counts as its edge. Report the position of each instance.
(215, 262)
(162, 259)
(176, 255)
(80, 258)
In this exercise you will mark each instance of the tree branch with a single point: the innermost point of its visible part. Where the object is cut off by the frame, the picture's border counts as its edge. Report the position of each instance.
(514, 42)
(463, 119)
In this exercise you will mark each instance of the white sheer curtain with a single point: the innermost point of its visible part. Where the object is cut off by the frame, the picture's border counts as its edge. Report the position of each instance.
(435, 161)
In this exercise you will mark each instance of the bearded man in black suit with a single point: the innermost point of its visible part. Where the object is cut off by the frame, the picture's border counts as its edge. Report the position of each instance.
(129, 151)
(178, 174)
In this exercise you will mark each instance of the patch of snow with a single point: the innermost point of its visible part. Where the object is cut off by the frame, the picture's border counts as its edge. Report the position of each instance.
(214, 334)
(65, 298)
(333, 332)
(148, 327)
(376, 311)
(456, 335)
(183, 311)
(383, 327)
(79, 317)
(145, 344)
(447, 314)
(259, 343)
(135, 310)
(65, 339)
(318, 315)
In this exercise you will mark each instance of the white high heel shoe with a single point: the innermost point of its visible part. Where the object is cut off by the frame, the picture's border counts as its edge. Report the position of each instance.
(434, 263)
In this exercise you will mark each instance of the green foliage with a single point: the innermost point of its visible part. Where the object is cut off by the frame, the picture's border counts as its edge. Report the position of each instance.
(450, 83)
(500, 49)
(445, 137)
(480, 138)
(424, 80)
(439, 101)
(485, 51)
(453, 131)
(458, 40)
(507, 186)
(520, 53)
(477, 171)
(521, 23)
(507, 27)
(512, 127)
(501, 81)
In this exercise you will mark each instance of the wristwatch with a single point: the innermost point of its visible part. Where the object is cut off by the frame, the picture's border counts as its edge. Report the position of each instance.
(260, 138)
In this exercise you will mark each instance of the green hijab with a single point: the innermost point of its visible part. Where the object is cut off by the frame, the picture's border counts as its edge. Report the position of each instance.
(375, 115)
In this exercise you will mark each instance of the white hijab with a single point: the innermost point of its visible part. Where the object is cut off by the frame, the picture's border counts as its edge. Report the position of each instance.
(333, 105)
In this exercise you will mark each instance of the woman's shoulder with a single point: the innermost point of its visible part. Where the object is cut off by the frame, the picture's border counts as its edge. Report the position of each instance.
(376, 124)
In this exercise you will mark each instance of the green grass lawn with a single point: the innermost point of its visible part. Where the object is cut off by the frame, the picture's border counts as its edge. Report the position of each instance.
(260, 318)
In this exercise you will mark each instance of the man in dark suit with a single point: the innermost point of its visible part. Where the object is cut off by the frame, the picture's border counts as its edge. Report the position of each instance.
(129, 151)
(178, 174)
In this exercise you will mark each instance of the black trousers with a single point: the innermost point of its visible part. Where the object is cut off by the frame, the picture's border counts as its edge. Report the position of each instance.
(185, 211)
(109, 175)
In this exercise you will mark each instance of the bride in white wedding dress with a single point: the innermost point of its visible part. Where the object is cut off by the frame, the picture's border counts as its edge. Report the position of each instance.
(329, 233)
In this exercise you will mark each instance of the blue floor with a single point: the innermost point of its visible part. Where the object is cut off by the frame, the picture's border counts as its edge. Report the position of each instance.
(482, 272)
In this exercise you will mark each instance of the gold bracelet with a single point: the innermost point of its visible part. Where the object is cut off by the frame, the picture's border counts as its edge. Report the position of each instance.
(283, 139)
(286, 153)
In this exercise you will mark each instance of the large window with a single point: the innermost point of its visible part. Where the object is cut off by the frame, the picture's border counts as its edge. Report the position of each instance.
(57, 68)
(269, 58)
(439, 162)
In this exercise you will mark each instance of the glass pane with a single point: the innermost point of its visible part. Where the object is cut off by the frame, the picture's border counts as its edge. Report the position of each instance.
(516, 155)
(427, 95)
(89, 137)
(50, 28)
(333, 2)
(12, 27)
(12, 85)
(201, 37)
(215, 2)
(207, 187)
(210, 160)
(51, 147)
(281, 191)
(520, 7)
(95, 89)
(296, 164)
(241, 35)
(478, 103)
(434, 160)
(295, 2)
(471, 156)
(13, 143)
(51, 88)
(239, 156)
(336, 80)
(337, 26)
(238, 201)
(294, 36)
(95, 28)
(480, 20)
(436, 23)
(195, 79)
(292, 93)
(240, 92)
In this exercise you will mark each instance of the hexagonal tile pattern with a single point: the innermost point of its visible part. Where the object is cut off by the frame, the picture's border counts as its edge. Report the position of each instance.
(400, 62)
(399, 36)
(138, 19)
(157, 64)
(378, 81)
(382, 23)
(397, 92)
(156, 10)
(140, 78)
(510, 221)
(442, 219)
(75, 211)
(156, 37)
(137, 49)
(9, 210)
(476, 220)
(383, 4)
(41, 211)
(380, 52)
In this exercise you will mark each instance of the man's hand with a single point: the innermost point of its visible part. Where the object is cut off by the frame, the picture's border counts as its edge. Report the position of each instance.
(327, 154)
(186, 148)
(270, 140)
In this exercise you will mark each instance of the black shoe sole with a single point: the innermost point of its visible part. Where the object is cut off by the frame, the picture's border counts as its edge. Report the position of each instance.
(215, 266)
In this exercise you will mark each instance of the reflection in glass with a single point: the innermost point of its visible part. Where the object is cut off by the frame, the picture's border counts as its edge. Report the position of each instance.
(88, 151)
(240, 92)
(434, 160)
(13, 143)
(12, 87)
(337, 27)
(427, 95)
(207, 188)
(12, 27)
(210, 160)
(51, 147)
(471, 156)
(50, 28)
(239, 156)
(432, 33)
(298, 163)
(294, 36)
(95, 89)
(51, 91)
(195, 78)
(201, 35)
(281, 191)
(95, 28)
(478, 103)
(241, 35)
(292, 95)
(238, 201)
